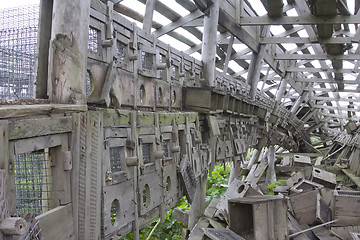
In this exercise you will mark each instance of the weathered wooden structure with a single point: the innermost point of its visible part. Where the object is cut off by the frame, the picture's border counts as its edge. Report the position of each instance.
(125, 124)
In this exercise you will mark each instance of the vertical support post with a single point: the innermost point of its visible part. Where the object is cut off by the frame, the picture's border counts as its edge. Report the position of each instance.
(149, 11)
(270, 174)
(68, 51)
(209, 43)
(256, 65)
(135, 169)
(44, 36)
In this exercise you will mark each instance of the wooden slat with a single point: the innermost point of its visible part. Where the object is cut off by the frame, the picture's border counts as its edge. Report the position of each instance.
(299, 20)
(37, 143)
(8, 111)
(57, 224)
(26, 128)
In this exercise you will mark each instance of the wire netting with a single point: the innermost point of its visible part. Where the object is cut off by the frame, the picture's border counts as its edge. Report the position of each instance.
(115, 158)
(18, 49)
(146, 152)
(93, 40)
(147, 60)
(33, 182)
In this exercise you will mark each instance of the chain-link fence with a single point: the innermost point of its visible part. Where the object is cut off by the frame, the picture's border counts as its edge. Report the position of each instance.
(18, 49)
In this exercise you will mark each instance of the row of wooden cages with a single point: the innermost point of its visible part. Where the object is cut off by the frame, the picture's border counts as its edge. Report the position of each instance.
(345, 150)
(105, 167)
(129, 68)
(148, 73)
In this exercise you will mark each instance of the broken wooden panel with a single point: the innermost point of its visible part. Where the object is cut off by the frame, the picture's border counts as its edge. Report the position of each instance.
(305, 185)
(346, 208)
(259, 217)
(324, 178)
(355, 236)
(304, 205)
(236, 189)
(170, 185)
(346, 232)
(323, 211)
(188, 179)
(220, 150)
(118, 207)
(301, 161)
(221, 234)
(150, 191)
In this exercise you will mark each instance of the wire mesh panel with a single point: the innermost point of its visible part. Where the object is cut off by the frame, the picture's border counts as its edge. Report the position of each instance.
(93, 40)
(120, 51)
(147, 60)
(115, 158)
(33, 182)
(146, 152)
(165, 145)
(18, 49)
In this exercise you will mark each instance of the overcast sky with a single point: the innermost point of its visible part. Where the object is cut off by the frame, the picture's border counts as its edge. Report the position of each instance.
(16, 3)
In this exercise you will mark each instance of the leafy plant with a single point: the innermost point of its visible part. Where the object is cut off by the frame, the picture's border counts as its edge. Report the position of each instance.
(219, 176)
(272, 186)
(171, 229)
(168, 230)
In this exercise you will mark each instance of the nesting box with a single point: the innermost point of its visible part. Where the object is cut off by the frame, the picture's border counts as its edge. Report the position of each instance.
(259, 217)
(346, 208)
(324, 178)
(301, 161)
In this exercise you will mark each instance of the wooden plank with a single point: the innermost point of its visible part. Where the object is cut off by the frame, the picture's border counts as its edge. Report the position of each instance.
(352, 176)
(61, 179)
(298, 20)
(8, 111)
(44, 35)
(304, 206)
(178, 23)
(94, 147)
(25, 128)
(37, 143)
(57, 223)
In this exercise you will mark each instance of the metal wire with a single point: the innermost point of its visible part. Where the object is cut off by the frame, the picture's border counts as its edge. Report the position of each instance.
(33, 182)
(165, 145)
(93, 40)
(115, 159)
(146, 151)
(147, 60)
(18, 49)
(120, 51)
(34, 233)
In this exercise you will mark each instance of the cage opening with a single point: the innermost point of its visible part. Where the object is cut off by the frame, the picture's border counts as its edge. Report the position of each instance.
(33, 182)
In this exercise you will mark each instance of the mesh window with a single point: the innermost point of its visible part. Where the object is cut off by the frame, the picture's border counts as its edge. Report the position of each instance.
(18, 49)
(146, 151)
(88, 84)
(165, 145)
(120, 50)
(173, 71)
(147, 60)
(93, 40)
(115, 159)
(33, 182)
